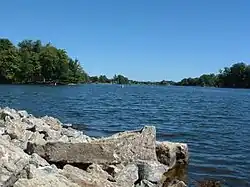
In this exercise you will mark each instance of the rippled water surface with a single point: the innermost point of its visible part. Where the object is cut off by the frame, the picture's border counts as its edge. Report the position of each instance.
(214, 122)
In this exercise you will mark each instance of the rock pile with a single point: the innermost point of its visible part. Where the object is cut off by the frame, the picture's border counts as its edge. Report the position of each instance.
(44, 152)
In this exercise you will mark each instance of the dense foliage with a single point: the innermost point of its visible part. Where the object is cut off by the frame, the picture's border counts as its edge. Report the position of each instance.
(236, 76)
(32, 62)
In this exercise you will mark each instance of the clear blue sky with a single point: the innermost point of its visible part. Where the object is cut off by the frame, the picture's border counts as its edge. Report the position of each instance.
(142, 39)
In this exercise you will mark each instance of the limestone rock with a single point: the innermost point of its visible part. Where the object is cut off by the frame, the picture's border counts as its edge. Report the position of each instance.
(177, 183)
(85, 179)
(170, 153)
(54, 123)
(38, 161)
(15, 130)
(97, 170)
(128, 176)
(151, 171)
(12, 162)
(145, 183)
(52, 180)
(123, 147)
(23, 113)
(9, 112)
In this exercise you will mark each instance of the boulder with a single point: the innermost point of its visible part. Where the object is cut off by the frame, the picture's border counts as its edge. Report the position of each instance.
(170, 153)
(15, 130)
(38, 161)
(145, 183)
(52, 180)
(152, 171)
(122, 147)
(127, 176)
(54, 123)
(85, 179)
(9, 112)
(12, 163)
(177, 183)
(23, 113)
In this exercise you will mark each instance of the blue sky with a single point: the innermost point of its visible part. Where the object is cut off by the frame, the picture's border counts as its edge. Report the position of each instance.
(142, 39)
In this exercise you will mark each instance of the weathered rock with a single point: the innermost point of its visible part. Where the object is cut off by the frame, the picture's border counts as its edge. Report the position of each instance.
(2, 123)
(9, 112)
(145, 183)
(22, 142)
(127, 176)
(2, 130)
(15, 130)
(52, 180)
(12, 162)
(151, 171)
(63, 138)
(23, 113)
(97, 170)
(122, 147)
(70, 132)
(177, 183)
(85, 179)
(170, 153)
(37, 124)
(6, 137)
(54, 123)
(38, 161)
(35, 172)
(37, 138)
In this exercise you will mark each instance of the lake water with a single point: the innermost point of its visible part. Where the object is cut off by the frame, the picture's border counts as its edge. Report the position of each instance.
(214, 122)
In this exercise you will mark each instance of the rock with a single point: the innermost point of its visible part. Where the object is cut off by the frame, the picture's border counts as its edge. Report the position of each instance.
(15, 130)
(127, 176)
(2, 130)
(22, 142)
(177, 183)
(97, 170)
(37, 124)
(54, 123)
(2, 123)
(37, 138)
(145, 183)
(35, 172)
(63, 138)
(9, 112)
(38, 161)
(23, 113)
(80, 139)
(6, 137)
(122, 147)
(12, 163)
(52, 180)
(85, 179)
(170, 153)
(151, 171)
(70, 132)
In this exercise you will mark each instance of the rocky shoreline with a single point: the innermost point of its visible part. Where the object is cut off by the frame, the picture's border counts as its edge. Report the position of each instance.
(44, 152)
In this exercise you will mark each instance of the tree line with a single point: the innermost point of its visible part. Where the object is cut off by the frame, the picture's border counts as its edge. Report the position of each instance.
(32, 62)
(236, 76)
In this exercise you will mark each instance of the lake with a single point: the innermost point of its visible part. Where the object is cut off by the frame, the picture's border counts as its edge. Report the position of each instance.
(214, 122)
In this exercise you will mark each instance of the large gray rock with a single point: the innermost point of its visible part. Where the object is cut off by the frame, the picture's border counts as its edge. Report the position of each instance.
(38, 161)
(52, 180)
(85, 179)
(12, 163)
(54, 123)
(127, 176)
(9, 112)
(170, 153)
(15, 130)
(122, 147)
(152, 171)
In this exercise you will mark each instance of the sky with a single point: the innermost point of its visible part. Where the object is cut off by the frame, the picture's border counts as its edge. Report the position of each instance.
(141, 39)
